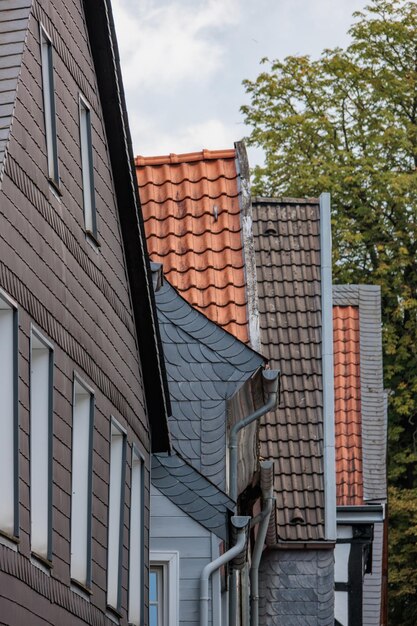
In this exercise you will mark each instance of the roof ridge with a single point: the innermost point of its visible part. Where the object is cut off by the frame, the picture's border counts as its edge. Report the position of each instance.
(186, 157)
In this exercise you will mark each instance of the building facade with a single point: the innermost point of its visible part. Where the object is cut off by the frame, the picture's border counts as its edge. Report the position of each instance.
(80, 411)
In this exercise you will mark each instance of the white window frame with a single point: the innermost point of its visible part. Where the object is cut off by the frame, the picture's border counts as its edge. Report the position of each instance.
(136, 539)
(81, 484)
(41, 447)
(87, 167)
(116, 506)
(49, 106)
(9, 441)
(169, 562)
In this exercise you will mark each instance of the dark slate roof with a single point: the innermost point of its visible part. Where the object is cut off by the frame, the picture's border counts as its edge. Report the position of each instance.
(14, 17)
(205, 366)
(192, 493)
(287, 245)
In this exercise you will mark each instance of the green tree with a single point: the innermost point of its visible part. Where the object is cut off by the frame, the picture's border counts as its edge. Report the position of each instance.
(347, 123)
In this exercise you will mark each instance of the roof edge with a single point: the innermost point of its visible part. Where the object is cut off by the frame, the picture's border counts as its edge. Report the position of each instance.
(186, 157)
(102, 37)
(284, 200)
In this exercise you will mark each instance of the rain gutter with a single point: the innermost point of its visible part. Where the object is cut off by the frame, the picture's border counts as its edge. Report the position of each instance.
(240, 524)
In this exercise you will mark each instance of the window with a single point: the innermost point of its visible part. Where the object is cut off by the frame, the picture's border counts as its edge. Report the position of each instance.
(116, 503)
(82, 434)
(9, 422)
(49, 106)
(41, 386)
(136, 541)
(87, 168)
(157, 602)
(164, 589)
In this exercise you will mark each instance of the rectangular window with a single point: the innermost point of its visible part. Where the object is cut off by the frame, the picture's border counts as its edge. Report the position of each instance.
(136, 563)
(49, 106)
(116, 505)
(41, 389)
(164, 589)
(82, 431)
(87, 168)
(9, 422)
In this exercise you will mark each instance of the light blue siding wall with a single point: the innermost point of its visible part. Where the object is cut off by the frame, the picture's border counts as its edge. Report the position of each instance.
(173, 530)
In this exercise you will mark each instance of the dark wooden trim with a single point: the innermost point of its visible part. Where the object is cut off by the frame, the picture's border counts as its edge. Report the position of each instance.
(102, 36)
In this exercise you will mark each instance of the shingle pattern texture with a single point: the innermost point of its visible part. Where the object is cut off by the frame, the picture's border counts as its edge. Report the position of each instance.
(192, 492)
(190, 204)
(205, 366)
(296, 588)
(348, 421)
(287, 245)
(14, 17)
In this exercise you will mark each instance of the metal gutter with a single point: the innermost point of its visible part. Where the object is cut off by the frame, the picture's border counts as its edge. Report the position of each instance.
(366, 514)
(329, 460)
(270, 385)
(240, 523)
(267, 485)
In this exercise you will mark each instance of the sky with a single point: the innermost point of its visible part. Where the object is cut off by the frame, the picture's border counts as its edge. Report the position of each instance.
(183, 62)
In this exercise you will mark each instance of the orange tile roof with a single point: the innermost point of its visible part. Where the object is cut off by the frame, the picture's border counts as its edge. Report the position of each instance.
(348, 422)
(190, 205)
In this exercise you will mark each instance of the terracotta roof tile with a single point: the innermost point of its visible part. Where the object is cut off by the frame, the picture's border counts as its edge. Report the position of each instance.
(347, 385)
(190, 204)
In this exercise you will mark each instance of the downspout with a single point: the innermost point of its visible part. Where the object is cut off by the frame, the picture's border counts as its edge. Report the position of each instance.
(270, 385)
(328, 370)
(267, 485)
(240, 523)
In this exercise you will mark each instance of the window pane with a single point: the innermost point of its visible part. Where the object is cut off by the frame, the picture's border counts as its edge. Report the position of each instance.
(115, 505)
(153, 615)
(153, 579)
(81, 484)
(40, 413)
(7, 403)
(49, 106)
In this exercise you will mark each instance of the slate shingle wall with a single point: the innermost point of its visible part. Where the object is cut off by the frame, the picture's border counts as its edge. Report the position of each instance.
(296, 588)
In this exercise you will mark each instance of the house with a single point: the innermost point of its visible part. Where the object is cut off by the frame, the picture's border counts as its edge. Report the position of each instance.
(360, 432)
(214, 381)
(82, 384)
(262, 268)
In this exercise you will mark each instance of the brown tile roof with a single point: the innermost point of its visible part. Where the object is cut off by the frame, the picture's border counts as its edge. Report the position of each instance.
(190, 204)
(287, 244)
(347, 386)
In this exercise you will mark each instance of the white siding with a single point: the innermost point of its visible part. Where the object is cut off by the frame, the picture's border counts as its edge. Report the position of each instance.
(172, 529)
(372, 582)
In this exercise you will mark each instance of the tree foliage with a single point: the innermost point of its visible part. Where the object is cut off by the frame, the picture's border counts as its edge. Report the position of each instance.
(347, 123)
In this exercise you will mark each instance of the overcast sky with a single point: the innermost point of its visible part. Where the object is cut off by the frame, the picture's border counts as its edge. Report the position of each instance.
(183, 62)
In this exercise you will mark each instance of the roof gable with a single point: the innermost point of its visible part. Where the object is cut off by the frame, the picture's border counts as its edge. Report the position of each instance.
(205, 366)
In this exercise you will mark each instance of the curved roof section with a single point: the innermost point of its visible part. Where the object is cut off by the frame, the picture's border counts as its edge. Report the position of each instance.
(191, 209)
(205, 366)
(192, 492)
